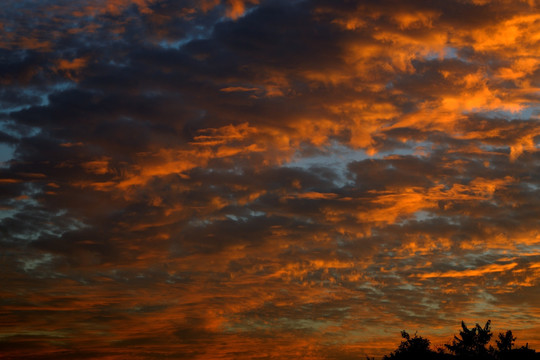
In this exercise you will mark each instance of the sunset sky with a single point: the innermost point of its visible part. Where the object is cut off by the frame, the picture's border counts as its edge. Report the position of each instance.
(266, 179)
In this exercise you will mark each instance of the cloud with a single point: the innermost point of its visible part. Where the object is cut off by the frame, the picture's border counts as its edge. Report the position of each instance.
(217, 179)
(472, 272)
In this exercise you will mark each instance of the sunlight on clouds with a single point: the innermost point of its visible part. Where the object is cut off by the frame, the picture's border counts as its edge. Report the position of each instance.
(521, 29)
(494, 268)
(236, 8)
(293, 179)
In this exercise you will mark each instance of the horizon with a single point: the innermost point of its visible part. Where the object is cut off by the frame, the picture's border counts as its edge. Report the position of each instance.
(266, 179)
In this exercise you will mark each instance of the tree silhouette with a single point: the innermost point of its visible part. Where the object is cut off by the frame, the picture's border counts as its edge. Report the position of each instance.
(472, 343)
(505, 342)
(415, 347)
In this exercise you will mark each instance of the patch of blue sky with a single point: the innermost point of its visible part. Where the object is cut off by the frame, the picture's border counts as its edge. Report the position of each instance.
(199, 33)
(58, 223)
(7, 110)
(473, 260)
(42, 94)
(17, 206)
(527, 113)
(529, 249)
(430, 303)
(200, 222)
(120, 64)
(424, 215)
(235, 170)
(447, 53)
(337, 156)
(490, 148)
(56, 88)
(8, 128)
(255, 213)
(531, 186)
(409, 287)
(7, 213)
(235, 217)
(421, 215)
(450, 52)
(6, 154)
(30, 264)
(484, 302)
(56, 227)
(409, 148)
(7, 151)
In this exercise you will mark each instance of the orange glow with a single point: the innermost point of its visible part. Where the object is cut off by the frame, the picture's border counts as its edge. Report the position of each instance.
(494, 268)
(236, 8)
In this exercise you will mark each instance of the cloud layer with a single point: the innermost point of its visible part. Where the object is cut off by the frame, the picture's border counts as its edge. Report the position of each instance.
(266, 179)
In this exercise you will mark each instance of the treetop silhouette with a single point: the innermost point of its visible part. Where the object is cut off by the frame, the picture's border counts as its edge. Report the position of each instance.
(473, 342)
(470, 344)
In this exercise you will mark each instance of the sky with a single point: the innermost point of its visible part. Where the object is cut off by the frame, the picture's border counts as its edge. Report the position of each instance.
(266, 179)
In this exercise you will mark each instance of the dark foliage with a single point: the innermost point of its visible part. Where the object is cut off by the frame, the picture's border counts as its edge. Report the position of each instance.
(415, 347)
(505, 342)
(470, 344)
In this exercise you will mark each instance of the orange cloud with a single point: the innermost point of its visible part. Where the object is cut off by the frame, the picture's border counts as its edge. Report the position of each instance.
(236, 8)
(98, 167)
(287, 183)
(493, 268)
